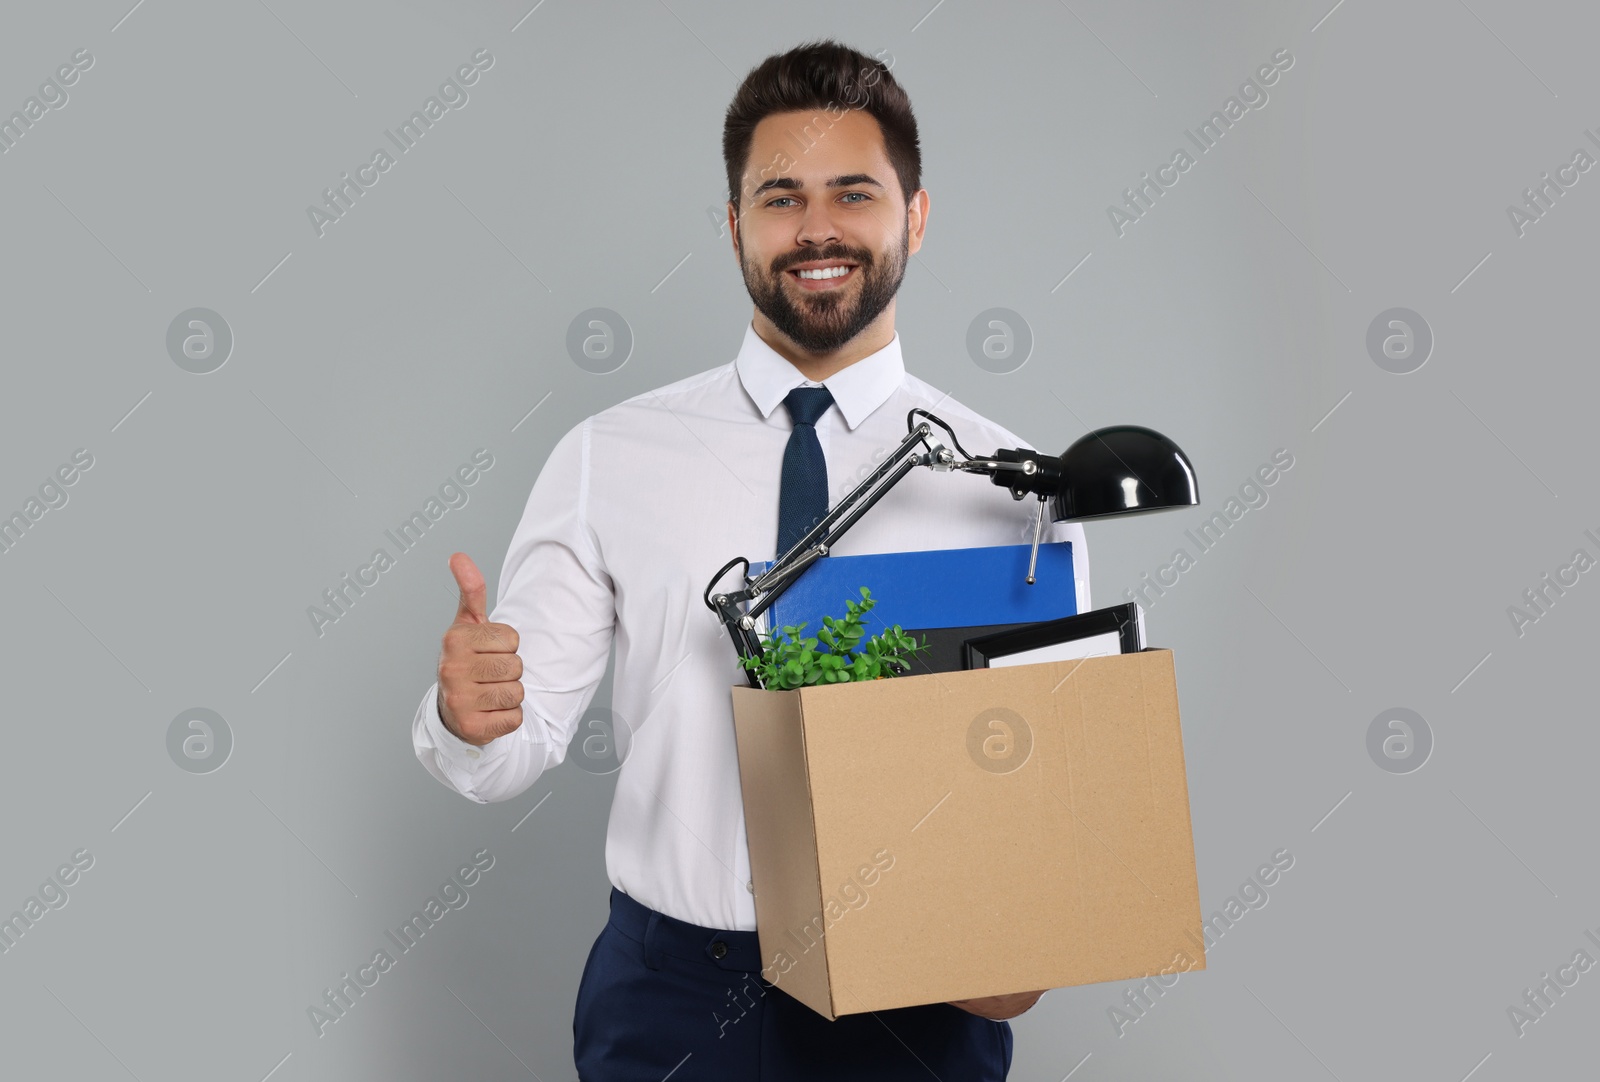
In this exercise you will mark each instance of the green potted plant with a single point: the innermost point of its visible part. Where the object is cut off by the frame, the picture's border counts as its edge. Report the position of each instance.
(788, 661)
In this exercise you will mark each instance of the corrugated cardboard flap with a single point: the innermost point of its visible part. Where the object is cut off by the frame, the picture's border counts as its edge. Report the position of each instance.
(782, 839)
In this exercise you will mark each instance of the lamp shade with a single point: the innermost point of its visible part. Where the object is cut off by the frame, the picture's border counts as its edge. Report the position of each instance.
(1123, 470)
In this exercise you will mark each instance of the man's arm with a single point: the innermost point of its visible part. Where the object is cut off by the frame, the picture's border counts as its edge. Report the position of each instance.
(557, 608)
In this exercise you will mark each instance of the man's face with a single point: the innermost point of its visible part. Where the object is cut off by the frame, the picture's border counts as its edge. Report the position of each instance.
(835, 205)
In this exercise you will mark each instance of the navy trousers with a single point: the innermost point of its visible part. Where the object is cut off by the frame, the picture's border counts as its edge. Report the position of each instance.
(662, 1000)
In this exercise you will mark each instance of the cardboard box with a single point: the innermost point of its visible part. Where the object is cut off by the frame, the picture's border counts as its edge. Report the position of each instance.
(943, 836)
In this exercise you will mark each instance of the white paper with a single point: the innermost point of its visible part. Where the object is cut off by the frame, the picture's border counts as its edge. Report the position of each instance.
(1103, 645)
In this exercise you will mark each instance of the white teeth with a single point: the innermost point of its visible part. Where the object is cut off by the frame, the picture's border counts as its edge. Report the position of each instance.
(826, 272)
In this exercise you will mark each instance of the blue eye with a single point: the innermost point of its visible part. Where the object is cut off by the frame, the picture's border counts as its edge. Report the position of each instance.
(789, 198)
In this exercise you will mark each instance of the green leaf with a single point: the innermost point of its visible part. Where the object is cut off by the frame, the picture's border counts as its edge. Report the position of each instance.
(789, 661)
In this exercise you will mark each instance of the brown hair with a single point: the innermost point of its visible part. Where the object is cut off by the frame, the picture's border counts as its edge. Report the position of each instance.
(822, 75)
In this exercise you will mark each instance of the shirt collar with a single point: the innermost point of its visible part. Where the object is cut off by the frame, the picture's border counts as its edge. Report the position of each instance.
(857, 390)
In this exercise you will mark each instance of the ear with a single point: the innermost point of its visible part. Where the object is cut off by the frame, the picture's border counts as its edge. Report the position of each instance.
(733, 227)
(916, 219)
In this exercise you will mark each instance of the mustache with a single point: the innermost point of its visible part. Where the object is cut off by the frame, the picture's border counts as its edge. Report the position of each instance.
(838, 251)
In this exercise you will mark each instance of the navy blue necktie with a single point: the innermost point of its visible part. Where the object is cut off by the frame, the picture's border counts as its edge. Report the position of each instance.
(803, 499)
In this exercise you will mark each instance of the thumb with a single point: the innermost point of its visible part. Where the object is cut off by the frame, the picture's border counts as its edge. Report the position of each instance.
(474, 593)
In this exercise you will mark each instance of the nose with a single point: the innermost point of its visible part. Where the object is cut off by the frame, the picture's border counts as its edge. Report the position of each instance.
(817, 225)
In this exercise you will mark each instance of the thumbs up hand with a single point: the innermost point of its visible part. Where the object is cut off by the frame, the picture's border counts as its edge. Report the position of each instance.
(480, 673)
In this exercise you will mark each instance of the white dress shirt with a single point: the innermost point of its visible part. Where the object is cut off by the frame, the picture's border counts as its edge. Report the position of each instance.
(634, 511)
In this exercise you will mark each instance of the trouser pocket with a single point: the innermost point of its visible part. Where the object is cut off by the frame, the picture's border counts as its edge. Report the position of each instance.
(580, 1005)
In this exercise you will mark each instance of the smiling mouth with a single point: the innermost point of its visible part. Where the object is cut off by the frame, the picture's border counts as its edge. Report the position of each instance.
(827, 278)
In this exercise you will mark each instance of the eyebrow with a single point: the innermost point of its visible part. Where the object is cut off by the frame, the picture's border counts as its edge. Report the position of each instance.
(794, 184)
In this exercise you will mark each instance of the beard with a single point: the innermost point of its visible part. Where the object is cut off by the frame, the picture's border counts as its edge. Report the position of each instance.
(822, 322)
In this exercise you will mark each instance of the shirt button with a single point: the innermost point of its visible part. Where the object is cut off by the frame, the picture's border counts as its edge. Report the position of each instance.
(473, 753)
(719, 949)
(750, 885)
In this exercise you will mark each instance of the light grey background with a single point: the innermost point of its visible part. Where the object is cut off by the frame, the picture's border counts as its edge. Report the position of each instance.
(369, 363)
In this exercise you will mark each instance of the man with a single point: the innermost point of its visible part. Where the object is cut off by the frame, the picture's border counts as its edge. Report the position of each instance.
(633, 513)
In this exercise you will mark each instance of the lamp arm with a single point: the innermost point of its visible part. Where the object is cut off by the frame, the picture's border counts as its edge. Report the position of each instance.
(823, 528)
(778, 577)
(766, 588)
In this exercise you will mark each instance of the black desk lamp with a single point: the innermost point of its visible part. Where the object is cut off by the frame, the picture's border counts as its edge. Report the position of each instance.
(1120, 470)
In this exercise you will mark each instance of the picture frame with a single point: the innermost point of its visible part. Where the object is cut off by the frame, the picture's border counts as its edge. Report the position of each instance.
(1118, 629)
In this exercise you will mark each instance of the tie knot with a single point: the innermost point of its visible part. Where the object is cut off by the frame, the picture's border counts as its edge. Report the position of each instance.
(806, 404)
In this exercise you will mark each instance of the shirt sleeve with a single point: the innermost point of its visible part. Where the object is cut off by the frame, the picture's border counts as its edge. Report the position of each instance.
(554, 589)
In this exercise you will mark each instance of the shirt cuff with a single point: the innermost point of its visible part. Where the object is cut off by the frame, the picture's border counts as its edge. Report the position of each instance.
(455, 761)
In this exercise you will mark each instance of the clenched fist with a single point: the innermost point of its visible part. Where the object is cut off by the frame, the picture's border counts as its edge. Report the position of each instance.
(480, 674)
